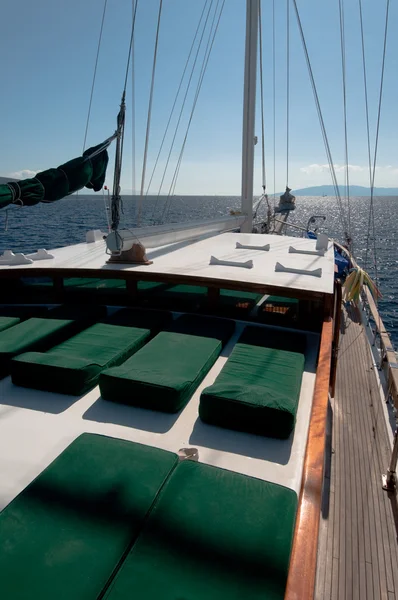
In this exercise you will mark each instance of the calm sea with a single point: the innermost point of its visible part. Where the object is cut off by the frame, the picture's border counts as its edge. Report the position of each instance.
(66, 222)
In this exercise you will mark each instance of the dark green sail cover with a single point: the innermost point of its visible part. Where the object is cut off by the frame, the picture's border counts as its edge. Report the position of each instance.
(87, 171)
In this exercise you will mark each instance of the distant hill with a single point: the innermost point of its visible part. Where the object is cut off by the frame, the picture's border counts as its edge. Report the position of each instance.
(355, 190)
(6, 179)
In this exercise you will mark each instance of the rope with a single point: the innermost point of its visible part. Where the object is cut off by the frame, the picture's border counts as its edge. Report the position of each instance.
(182, 107)
(371, 211)
(206, 57)
(322, 124)
(343, 68)
(201, 77)
(116, 201)
(130, 46)
(287, 87)
(365, 84)
(148, 124)
(94, 76)
(116, 204)
(264, 182)
(172, 111)
(274, 94)
(133, 145)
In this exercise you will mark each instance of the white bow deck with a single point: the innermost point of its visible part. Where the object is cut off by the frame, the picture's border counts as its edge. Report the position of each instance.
(190, 259)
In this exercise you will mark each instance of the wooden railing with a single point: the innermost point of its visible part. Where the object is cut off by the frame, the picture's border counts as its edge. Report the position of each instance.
(388, 359)
(389, 365)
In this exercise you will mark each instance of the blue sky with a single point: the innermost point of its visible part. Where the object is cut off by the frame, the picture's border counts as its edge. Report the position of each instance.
(48, 50)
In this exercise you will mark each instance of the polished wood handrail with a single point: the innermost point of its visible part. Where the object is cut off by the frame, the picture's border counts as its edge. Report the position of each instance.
(302, 570)
(389, 357)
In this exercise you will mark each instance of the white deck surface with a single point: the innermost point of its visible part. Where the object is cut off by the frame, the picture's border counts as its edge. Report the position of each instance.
(192, 259)
(36, 426)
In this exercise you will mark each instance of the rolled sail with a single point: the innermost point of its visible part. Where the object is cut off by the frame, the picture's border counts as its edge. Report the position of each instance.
(87, 171)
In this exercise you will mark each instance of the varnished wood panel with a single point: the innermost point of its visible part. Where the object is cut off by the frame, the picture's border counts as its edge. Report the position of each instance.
(301, 579)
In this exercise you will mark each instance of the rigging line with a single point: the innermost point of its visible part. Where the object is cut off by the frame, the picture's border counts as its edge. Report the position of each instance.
(321, 121)
(365, 83)
(130, 46)
(173, 107)
(287, 86)
(133, 144)
(94, 76)
(371, 213)
(183, 105)
(343, 68)
(274, 94)
(148, 124)
(260, 36)
(202, 74)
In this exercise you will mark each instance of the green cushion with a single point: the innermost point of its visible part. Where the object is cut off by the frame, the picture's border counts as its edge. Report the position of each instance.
(7, 322)
(258, 388)
(66, 533)
(211, 535)
(33, 334)
(74, 366)
(164, 374)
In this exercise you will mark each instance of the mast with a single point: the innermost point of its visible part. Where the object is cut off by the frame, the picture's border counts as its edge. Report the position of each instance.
(249, 111)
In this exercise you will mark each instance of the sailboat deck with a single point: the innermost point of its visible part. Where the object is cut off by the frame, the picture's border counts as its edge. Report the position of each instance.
(358, 551)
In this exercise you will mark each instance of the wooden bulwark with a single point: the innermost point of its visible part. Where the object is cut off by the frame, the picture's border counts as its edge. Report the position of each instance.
(358, 551)
(302, 571)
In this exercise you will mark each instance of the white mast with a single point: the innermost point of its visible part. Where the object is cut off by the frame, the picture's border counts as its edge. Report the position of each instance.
(249, 112)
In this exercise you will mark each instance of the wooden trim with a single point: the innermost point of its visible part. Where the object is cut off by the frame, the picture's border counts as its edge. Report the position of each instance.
(389, 356)
(302, 571)
(336, 335)
(131, 275)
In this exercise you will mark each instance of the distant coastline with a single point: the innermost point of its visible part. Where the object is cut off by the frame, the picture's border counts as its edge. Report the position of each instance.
(318, 191)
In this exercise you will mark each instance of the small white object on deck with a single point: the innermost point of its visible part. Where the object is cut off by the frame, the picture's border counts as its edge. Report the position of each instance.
(41, 254)
(322, 241)
(95, 235)
(312, 252)
(249, 247)
(231, 263)
(281, 269)
(9, 258)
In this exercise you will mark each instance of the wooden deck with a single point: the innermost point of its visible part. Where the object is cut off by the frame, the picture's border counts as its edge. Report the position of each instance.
(358, 551)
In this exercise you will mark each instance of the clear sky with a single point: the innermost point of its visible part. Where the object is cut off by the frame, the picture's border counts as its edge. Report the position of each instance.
(48, 48)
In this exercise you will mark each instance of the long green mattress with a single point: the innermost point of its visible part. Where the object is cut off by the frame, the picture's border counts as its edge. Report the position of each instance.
(66, 533)
(34, 334)
(74, 366)
(213, 535)
(7, 322)
(164, 374)
(258, 388)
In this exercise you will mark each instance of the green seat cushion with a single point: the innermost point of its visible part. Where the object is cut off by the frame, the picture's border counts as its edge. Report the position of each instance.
(33, 334)
(74, 366)
(7, 322)
(214, 535)
(66, 533)
(258, 388)
(164, 374)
